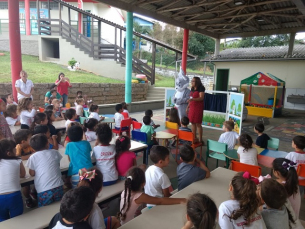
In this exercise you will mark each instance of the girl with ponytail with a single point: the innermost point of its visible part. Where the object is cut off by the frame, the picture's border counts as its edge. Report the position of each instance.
(89, 129)
(243, 208)
(285, 172)
(201, 212)
(133, 199)
(246, 153)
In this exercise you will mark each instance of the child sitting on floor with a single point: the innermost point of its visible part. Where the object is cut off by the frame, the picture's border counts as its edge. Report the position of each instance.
(125, 159)
(150, 114)
(157, 182)
(118, 117)
(89, 129)
(45, 166)
(78, 151)
(191, 169)
(75, 208)
(11, 115)
(262, 139)
(27, 111)
(201, 212)
(71, 117)
(79, 108)
(229, 136)
(285, 172)
(43, 129)
(105, 154)
(298, 155)
(94, 180)
(94, 110)
(149, 130)
(243, 209)
(12, 169)
(274, 211)
(173, 116)
(246, 153)
(10, 100)
(133, 199)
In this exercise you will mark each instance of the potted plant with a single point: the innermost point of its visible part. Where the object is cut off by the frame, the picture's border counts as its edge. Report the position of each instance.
(72, 63)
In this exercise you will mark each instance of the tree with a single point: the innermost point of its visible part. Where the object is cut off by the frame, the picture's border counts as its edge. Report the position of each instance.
(200, 44)
(157, 32)
(142, 30)
(264, 41)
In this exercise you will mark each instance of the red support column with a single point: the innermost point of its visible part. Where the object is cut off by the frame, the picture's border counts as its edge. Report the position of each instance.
(184, 49)
(15, 44)
(80, 6)
(27, 17)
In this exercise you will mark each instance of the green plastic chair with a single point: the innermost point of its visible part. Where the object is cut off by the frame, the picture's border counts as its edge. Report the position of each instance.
(82, 120)
(273, 143)
(86, 113)
(216, 150)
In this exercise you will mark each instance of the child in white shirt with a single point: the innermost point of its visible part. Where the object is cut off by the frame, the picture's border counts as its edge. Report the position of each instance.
(157, 182)
(71, 116)
(45, 166)
(246, 153)
(11, 115)
(118, 117)
(79, 107)
(10, 100)
(26, 111)
(229, 136)
(125, 108)
(94, 110)
(105, 154)
(90, 125)
(243, 191)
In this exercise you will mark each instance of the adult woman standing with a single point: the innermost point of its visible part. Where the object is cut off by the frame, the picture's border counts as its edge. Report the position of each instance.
(63, 83)
(24, 86)
(195, 107)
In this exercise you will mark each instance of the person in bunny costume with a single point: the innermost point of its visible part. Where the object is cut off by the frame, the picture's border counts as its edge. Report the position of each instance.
(182, 93)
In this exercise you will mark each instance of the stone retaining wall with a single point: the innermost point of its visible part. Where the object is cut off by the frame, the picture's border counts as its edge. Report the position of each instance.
(98, 92)
(28, 47)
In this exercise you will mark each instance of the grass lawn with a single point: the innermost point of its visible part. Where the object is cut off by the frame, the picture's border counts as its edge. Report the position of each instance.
(162, 81)
(43, 72)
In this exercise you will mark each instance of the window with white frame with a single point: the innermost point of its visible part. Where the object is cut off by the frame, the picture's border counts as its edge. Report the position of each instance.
(3, 5)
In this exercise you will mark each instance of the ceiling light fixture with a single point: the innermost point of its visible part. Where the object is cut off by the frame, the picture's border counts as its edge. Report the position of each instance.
(238, 2)
(260, 19)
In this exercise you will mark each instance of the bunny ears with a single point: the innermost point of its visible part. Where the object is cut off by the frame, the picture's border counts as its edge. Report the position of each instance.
(248, 176)
(87, 175)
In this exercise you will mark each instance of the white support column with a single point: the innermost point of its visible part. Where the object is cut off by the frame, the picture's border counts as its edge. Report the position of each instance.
(291, 44)
(217, 47)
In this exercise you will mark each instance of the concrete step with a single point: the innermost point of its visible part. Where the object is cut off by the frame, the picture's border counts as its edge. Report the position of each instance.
(154, 98)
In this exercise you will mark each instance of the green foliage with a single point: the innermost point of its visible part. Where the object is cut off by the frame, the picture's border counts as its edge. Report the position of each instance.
(200, 44)
(239, 108)
(72, 62)
(232, 104)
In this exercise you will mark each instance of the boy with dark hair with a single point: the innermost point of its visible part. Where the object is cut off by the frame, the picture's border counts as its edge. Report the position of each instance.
(262, 139)
(191, 169)
(184, 123)
(45, 166)
(78, 151)
(75, 208)
(157, 182)
(150, 114)
(118, 117)
(24, 150)
(229, 136)
(71, 117)
(149, 130)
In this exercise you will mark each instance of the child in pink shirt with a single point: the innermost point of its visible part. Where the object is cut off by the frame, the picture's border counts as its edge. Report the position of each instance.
(125, 159)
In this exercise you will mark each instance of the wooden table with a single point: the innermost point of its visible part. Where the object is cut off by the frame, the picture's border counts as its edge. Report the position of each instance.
(173, 216)
(59, 125)
(162, 135)
(64, 163)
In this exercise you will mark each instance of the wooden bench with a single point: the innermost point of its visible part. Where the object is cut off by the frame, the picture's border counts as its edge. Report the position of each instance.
(41, 217)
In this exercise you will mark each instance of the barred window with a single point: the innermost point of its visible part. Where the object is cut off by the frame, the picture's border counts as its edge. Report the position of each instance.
(21, 4)
(3, 5)
(33, 5)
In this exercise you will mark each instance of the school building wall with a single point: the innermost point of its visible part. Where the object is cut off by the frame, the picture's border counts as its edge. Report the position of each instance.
(291, 71)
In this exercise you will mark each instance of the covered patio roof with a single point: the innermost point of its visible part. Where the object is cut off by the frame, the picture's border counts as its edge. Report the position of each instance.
(223, 18)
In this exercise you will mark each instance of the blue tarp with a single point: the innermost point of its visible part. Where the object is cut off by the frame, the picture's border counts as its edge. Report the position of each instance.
(216, 102)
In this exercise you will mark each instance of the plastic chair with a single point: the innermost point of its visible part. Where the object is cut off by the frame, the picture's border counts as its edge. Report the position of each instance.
(218, 149)
(136, 125)
(171, 125)
(273, 143)
(125, 114)
(86, 113)
(41, 110)
(124, 123)
(301, 173)
(188, 136)
(254, 170)
(68, 105)
(141, 137)
(82, 120)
